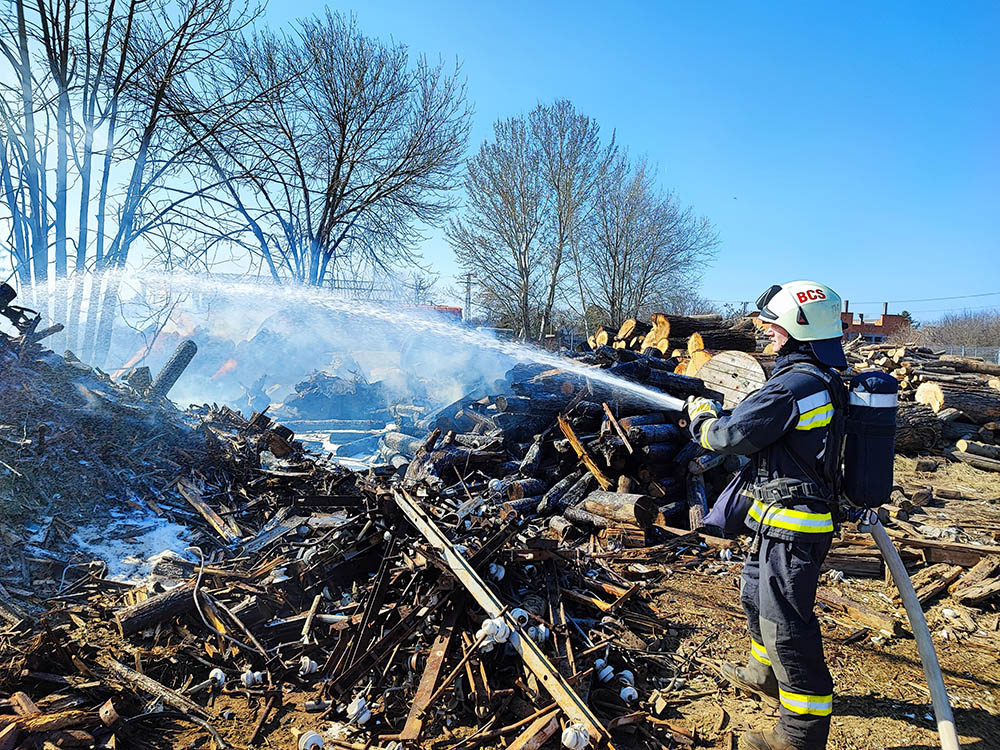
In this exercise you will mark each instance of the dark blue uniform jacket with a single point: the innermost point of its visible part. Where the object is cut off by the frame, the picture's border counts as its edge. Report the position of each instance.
(786, 422)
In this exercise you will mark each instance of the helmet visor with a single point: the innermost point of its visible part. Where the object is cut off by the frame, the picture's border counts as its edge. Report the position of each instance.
(766, 297)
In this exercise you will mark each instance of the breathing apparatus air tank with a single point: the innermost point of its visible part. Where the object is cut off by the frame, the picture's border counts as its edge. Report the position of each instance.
(869, 439)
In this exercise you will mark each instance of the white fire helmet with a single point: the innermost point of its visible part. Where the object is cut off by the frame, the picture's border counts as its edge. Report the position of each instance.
(810, 312)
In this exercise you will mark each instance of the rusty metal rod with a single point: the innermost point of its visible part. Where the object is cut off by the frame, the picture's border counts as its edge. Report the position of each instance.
(453, 674)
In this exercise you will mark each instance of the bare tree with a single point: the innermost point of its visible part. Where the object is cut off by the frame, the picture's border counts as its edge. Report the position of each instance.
(498, 239)
(573, 162)
(965, 328)
(91, 96)
(171, 47)
(529, 192)
(26, 169)
(349, 149)
(641, 247)
(417, 287)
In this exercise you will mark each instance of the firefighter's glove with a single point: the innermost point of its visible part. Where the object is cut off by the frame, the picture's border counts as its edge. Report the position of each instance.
(699, 411)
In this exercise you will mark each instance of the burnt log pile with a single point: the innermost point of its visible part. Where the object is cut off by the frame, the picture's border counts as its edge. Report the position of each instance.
(492, 580)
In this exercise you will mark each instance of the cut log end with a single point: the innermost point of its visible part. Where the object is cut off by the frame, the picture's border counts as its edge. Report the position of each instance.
(699, 359)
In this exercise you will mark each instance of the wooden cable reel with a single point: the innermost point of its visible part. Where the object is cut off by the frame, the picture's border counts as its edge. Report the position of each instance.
(733, 374)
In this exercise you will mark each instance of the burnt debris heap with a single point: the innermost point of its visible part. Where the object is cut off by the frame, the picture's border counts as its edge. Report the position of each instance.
(492, 580)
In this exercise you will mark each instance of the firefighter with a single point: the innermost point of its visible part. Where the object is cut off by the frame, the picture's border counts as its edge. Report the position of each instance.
(785, 494)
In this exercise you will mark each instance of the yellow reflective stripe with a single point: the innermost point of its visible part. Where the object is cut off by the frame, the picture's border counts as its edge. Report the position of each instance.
(704, 433)
(758, 652)
(791, 520)
(800, 703)
(818, 417)
(813, 402)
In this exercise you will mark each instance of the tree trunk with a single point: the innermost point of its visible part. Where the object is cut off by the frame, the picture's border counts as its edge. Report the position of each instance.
(623, 508)
(18, 225)
(722, 340)
(550, 295)
(62, 182)
(106, 322)
(917, 428)
(697, 500)
(98, 279)
(682, 326)
(979, 449)
(963, 364)
(980, 405)
(36, 211)
(155, 610)
(631, 329)
(979, 462)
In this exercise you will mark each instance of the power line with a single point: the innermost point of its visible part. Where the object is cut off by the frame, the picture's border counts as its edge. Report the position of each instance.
(927, 299)
(954, 309)
(891, 301)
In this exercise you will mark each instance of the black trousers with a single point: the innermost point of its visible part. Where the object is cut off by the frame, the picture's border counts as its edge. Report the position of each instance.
(778, 591)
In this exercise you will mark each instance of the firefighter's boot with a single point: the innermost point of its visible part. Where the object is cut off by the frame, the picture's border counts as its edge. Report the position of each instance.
(754, 678)
(770, 739)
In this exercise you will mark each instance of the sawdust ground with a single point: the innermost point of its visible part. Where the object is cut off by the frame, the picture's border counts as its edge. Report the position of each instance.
(881, 699)
(950, 475)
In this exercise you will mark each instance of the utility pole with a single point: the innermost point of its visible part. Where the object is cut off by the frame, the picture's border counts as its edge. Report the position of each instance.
(468, 298)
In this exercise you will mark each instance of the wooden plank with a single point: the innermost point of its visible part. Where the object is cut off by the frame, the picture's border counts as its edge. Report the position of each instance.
(193, 496)
(10, 735)
(51, 722)
(861, 613)
(933, 580)
(581, 453)
(965, 555)
(537, 733)
(715, 542)
(536, 660)
(23, 705)
(979, 593)
(428, 680)
(982, 570)
(618, 427)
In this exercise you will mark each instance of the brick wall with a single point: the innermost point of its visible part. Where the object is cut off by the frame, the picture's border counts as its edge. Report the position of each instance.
(874, 330)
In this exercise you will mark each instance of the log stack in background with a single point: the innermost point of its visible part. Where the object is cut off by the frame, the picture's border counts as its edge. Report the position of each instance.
(943, 399)
(691, 339)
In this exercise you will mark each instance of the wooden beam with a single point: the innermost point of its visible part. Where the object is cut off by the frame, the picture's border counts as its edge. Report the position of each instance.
(618, 427)
(142, 683)
(428, 680)
(582, 454)
(193, 496)
(537, 733)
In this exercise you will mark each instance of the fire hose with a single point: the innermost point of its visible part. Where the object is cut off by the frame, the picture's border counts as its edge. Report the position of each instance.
(918, 624)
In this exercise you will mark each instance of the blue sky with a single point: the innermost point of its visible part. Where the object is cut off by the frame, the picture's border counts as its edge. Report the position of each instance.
(851, 143)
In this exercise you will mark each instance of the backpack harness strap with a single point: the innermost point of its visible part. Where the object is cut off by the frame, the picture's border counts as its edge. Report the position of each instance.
(783, 491)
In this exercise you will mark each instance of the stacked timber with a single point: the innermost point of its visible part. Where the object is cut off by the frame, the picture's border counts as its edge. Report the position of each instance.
(691, 340)
(945, 400)
(970, 387)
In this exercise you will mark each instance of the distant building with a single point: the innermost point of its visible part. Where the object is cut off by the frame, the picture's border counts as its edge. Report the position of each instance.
(873, 331)
(449, 311)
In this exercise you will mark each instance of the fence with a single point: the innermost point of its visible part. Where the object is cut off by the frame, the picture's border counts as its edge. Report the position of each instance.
(987, 353)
